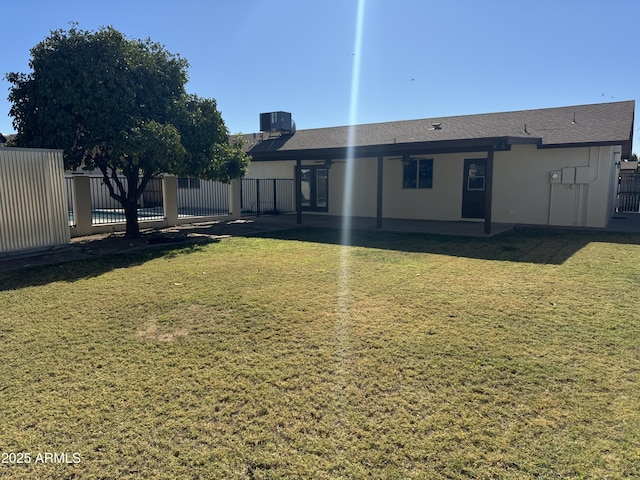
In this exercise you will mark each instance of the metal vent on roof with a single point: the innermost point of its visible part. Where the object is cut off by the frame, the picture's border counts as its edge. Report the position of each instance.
(436, 126)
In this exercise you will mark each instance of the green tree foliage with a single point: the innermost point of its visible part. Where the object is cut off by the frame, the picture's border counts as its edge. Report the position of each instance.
(119, 105)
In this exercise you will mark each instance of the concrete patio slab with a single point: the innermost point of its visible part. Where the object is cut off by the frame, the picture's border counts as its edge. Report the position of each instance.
(468, 228)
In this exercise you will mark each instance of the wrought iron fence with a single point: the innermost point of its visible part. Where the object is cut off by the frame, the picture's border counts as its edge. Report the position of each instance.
(200, 198)
(270, 196)
(106, 209)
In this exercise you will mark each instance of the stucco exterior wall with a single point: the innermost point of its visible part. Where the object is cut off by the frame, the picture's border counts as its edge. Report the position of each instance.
(363, 196)
(583, 195)
(442, 202)
(283, 169)
(522, 188)
(523, 193)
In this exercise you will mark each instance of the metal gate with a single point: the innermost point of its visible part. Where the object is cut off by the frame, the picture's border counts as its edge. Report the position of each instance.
(628, 193)
(268, 196)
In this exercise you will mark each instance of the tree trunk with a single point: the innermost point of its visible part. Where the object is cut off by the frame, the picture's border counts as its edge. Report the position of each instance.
(131, 214)
(127, 194)
(131, 206)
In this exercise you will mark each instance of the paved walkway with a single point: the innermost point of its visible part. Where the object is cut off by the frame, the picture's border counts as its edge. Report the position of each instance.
(624, 222)
(110, 244)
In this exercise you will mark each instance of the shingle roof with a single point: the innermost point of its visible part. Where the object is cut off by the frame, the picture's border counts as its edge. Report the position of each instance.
(605, 123)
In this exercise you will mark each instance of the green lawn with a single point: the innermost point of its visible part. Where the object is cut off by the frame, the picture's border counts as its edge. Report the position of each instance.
(402, 356)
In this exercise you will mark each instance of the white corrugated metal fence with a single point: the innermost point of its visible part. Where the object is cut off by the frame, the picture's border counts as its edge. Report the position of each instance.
(33, 200)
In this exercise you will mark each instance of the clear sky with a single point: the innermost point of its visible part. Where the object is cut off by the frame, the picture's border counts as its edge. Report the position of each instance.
(418, 58)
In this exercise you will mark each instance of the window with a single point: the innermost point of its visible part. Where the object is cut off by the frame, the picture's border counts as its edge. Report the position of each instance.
(476, 176)
(188, 183)
(417, 173)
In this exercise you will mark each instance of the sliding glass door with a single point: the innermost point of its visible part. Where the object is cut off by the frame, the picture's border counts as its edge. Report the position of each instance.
(314, 184)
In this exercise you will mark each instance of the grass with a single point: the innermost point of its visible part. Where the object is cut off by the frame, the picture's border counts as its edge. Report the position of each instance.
(511, 357)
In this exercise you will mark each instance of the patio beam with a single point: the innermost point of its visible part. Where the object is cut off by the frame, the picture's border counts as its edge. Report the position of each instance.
(392, 149)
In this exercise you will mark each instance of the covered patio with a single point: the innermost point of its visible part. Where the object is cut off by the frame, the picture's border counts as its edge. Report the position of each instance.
(620, 223)
(461, 228)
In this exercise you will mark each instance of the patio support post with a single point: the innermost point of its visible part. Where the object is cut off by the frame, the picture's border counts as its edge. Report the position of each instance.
(379, 196)
(488, 193)
(298, 187)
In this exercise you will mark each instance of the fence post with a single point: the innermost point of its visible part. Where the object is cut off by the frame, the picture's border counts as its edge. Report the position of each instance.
(275, 198)
(82, 206)
(241, 194)
(170, 199)
(257, 197)
(235, 198)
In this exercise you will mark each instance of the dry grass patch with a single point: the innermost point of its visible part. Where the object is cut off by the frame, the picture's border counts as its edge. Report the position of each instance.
(510, 357)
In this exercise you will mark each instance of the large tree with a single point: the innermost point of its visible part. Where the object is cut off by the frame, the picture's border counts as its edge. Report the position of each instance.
(119, 105)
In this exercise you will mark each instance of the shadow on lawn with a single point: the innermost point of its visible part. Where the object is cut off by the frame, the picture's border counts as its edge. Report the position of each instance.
(88, 267)
(527, 245)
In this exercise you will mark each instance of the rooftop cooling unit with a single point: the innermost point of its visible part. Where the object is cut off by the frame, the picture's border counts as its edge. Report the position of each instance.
(276, 122)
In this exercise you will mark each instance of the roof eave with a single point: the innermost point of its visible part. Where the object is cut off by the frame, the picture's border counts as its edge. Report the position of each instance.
(470, 145)
(625, 144)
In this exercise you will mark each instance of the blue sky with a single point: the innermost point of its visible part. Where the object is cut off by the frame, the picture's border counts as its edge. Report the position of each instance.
(418, 58)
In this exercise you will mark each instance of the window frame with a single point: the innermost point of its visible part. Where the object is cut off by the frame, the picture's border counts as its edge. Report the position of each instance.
(412, 175)
(314, 179)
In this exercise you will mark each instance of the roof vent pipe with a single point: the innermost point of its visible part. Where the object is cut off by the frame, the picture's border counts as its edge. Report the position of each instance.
(436, 126)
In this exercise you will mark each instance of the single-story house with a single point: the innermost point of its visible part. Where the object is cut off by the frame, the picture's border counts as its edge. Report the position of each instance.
(551, 166)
